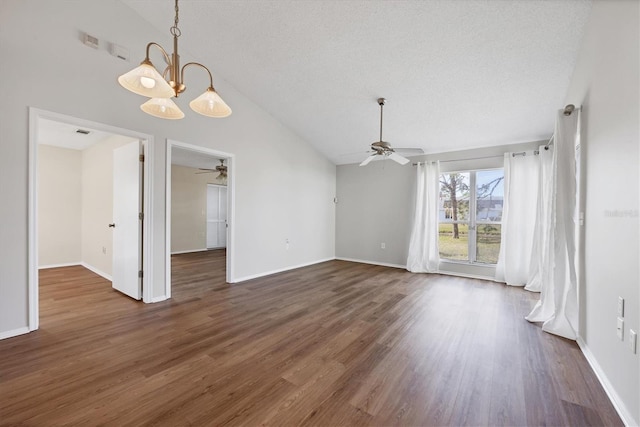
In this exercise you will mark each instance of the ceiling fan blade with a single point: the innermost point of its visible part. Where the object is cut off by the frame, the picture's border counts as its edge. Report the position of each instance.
(368, 159)
(409, 151)
(398, 158)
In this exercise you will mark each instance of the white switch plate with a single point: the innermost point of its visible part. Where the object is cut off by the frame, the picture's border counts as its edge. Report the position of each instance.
(620, 307)
(383, 245)
(633, 338)
(620, 329)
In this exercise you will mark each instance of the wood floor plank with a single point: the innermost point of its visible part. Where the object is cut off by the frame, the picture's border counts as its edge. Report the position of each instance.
(337, 343)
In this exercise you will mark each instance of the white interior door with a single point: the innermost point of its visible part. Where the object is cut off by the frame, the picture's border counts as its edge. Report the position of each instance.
(127, 226)
(216, 216)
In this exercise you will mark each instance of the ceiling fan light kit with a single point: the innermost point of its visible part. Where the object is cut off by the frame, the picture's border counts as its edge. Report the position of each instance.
(384, 149)
(145, 80)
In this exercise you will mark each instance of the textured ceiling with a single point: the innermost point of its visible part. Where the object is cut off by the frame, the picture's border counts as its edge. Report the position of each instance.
(457, 74)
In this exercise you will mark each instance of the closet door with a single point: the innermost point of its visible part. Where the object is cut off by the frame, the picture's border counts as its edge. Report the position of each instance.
(216, 216)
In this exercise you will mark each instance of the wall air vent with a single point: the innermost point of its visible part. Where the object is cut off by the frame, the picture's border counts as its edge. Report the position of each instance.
(90, 41)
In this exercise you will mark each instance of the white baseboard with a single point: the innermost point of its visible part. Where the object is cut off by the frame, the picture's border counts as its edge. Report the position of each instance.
(617, 403)
(444, 272)
(268, 273)
(362, 261)
(468, 276)
(189, 251)
(66, 264)
(14, 333)
(98, 272)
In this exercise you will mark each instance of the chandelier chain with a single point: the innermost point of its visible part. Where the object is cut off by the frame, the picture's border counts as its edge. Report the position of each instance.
(175, 31)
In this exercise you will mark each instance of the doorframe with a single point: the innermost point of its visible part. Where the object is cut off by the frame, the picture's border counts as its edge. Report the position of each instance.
(230, 276)
(35, 116)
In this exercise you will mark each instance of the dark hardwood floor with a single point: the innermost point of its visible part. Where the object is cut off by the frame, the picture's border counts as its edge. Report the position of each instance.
(334, 344)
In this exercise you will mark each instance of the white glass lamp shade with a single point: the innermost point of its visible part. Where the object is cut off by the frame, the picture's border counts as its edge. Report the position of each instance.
(210, 104)
(164, 108)
(145, 80)
(221, 179)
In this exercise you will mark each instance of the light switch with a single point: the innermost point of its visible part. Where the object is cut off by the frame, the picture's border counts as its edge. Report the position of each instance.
(633, 338)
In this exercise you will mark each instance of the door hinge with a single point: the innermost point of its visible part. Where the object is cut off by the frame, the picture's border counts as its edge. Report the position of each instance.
(141, 216)
(140, 274)
(141, 157)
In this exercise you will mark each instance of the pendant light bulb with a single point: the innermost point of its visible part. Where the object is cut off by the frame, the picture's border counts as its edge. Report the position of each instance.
(147, 82)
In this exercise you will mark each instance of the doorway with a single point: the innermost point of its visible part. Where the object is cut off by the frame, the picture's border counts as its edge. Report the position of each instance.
(193, 229)
(93, 244)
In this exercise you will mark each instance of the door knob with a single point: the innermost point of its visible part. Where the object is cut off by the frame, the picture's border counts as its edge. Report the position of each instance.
(112, 225)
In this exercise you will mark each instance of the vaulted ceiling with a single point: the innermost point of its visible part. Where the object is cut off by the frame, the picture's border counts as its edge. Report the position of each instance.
(457, 74)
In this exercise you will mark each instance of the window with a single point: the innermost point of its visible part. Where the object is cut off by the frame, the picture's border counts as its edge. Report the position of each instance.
(470, 215)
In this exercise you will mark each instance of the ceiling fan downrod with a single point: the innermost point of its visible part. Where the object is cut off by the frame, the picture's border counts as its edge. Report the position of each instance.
(381, 102)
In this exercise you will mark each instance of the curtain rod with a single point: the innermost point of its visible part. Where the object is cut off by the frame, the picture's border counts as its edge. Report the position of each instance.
(521, 153)
(463, 160)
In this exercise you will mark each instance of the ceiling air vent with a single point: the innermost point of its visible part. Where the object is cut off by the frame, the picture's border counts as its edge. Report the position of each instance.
(83, 131)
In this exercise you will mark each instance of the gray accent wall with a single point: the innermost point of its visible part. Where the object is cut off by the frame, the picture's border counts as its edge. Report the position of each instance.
(374, 207)
(376, 204)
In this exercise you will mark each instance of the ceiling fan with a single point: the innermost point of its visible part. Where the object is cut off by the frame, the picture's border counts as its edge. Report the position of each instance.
(383, 148)
(221, 169)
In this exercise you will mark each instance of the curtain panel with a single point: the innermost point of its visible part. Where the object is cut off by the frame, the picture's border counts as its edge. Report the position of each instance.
(558, 305)
(423, 246)
(538, 248)
(521, 172)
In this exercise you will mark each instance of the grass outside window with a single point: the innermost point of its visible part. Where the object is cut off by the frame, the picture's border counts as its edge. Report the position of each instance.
(451, 248)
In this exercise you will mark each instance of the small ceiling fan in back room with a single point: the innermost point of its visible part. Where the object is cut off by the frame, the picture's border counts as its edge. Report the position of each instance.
(221, 169)
(384, 149)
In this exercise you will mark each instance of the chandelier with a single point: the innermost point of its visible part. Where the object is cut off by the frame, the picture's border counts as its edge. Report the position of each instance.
(145, 80)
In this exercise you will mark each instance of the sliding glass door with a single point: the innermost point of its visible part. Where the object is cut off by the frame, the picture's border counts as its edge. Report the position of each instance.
(470, 215)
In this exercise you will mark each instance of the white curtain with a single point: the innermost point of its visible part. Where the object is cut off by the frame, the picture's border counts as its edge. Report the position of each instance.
(423, 246)
(544, 222)
(518, 217)
(555, 258)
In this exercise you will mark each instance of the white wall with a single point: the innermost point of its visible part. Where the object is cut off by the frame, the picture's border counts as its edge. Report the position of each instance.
(59, 206)
(97, 204)
(376, 203)
(75, 205)
(606, 83)
(284, 188)
(189, 209)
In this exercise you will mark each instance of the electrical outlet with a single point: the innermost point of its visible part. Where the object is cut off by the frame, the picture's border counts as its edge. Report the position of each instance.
(286, 243)
(633, 338)
(620, 329)
(383, 245)
(620, 307)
